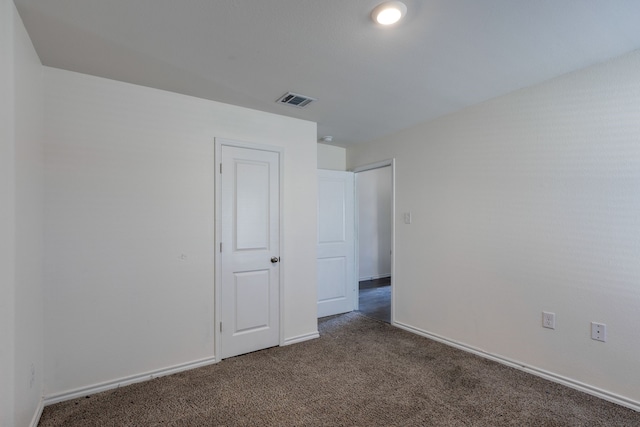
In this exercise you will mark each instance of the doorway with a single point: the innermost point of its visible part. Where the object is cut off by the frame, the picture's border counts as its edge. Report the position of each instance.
(374, 201)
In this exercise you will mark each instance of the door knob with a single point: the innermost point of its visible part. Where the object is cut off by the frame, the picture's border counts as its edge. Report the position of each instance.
(274, 259)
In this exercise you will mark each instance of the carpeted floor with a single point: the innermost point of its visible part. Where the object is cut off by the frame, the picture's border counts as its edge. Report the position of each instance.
(361, 372)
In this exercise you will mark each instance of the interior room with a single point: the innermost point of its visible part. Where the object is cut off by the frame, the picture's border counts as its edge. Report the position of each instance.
(374, 206)
(509, 133)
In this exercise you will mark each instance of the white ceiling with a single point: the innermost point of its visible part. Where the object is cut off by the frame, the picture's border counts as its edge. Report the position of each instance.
(369, 81)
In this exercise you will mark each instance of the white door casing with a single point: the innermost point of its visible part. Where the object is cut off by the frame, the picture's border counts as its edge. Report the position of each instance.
(337, 286)
(248, 234)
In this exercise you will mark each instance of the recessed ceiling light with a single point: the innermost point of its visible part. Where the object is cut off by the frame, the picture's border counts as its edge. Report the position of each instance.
(389, 13)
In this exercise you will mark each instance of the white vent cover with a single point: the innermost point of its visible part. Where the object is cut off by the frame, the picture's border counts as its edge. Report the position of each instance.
(295, 100)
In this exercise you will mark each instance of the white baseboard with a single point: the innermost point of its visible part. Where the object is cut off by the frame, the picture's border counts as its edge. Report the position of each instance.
(577, 385)
(108, 385)
(379, 276)
(38, 414)
(301, 338)
(121, 382)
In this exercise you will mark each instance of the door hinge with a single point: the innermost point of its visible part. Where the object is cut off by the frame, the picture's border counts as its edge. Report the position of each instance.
(220, 326)
(220, 167)
(220, 247)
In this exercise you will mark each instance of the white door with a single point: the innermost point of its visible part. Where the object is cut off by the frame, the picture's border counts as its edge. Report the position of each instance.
(249, 250)
(337, 286)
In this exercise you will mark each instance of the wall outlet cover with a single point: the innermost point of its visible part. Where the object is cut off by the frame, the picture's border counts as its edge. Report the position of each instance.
(598, 331)
(548, 320)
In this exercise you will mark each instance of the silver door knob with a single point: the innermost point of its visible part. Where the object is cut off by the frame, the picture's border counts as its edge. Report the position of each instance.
(274, 259)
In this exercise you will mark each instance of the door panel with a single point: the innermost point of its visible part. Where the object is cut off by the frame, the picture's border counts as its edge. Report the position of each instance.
(337, 286)
(252, 205)
(331, 209)
(332, 274)
(252, 288)
(249, 288)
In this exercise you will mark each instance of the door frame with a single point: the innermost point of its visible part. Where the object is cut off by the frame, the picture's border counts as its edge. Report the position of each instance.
(366, 167)
(219, 143)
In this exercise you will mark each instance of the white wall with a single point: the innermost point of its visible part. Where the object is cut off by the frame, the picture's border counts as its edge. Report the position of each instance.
(525, 203)
(29, 340)
(129, 190)
(21, 223)
(374, 223)
(330, 157)
(7, 216)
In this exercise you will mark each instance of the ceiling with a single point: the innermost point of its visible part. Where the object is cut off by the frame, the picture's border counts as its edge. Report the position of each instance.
(369, 81)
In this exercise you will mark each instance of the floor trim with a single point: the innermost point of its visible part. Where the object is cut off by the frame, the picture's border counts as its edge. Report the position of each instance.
(301, 338)
(121, 382)
(379, 276)
(38, 414)
(577, 385)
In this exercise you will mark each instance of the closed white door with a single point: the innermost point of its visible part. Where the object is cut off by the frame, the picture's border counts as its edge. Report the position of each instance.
(337, 286)
(249, 250)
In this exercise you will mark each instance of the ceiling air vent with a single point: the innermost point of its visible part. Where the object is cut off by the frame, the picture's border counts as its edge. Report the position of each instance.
(295, 100)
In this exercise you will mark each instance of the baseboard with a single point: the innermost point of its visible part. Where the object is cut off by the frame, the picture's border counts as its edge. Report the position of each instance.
(301, 338)
(38, 414)
(121, 382)
(379, 276)
(577, 385)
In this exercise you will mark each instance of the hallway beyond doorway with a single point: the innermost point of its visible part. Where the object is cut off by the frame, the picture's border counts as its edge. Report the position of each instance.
(375, 298)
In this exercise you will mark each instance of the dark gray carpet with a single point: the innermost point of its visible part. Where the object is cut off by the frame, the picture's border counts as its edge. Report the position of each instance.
(376, 302)
(361, 372)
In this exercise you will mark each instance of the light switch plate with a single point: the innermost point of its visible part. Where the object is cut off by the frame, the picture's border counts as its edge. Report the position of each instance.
(407, 217)
(598, 331)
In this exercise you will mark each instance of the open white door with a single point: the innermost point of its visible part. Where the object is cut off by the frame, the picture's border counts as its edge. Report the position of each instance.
(337, 286)
(249, 216)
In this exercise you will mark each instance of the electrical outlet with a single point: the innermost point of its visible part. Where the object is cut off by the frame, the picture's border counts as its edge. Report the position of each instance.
(599, 331)
(548, 320)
